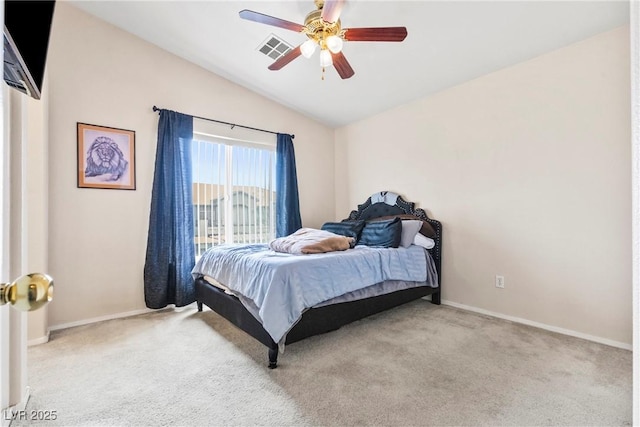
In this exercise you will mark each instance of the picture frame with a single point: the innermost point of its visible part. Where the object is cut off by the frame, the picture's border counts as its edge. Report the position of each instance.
(106, 157)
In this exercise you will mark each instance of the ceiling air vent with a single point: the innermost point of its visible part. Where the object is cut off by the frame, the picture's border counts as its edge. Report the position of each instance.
(274, 47)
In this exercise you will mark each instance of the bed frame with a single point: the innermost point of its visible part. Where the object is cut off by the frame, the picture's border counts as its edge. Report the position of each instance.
(328, 318)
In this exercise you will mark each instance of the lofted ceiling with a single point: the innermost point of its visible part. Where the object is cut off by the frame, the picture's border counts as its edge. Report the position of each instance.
(448, 43)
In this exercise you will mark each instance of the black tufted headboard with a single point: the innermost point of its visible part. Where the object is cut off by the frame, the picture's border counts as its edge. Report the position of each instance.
(369, 210)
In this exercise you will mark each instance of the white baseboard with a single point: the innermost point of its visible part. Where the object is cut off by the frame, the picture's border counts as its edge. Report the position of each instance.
(563, 331)
(544, 326)
(100, 319)
(16, 412)
(41, 340)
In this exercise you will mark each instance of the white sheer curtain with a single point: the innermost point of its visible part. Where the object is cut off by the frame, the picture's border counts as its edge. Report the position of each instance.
(233, 189)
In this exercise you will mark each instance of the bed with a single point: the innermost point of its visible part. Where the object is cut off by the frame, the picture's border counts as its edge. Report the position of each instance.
(279, 320)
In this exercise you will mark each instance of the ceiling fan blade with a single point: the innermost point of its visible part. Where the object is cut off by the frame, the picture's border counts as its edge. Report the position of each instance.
(285, 59)
(331, 10)
(342, 66)
(270, 20)
(378, 34)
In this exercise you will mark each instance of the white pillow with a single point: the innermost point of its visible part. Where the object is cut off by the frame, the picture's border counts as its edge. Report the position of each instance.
(410, 229)
(423, 241)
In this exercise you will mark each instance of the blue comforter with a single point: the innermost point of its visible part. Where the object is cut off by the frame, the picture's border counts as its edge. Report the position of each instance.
(280, 287)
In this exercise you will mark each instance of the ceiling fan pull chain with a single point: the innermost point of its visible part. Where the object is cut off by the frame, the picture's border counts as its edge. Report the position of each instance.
(322, 73)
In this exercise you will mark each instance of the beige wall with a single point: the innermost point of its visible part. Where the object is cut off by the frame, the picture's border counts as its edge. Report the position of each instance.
(528, 168)
(101, 75)
(35, 231)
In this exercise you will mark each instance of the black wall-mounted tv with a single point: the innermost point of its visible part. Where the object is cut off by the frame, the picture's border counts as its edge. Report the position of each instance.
(27, 26)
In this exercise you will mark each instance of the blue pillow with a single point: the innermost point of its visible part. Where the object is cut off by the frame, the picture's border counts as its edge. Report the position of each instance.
(385, 234)
(345, 228)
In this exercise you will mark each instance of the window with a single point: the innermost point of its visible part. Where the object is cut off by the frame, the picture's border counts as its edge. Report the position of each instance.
(233, 191)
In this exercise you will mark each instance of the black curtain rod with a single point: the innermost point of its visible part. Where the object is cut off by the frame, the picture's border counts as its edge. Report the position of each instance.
(230, 124)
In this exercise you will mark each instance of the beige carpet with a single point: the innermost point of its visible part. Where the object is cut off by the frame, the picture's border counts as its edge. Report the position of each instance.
(418, 364)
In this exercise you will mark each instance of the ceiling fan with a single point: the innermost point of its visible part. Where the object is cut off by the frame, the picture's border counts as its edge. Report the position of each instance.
(322, 27)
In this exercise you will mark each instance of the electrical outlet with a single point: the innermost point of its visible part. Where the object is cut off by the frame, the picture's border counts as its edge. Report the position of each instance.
(500, 282)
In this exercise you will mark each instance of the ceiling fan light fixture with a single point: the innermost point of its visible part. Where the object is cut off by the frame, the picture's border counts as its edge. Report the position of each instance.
(325, 58)
(307, 48)
(334, 43)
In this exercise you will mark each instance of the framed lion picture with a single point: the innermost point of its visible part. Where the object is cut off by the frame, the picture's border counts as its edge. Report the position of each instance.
(106, 157)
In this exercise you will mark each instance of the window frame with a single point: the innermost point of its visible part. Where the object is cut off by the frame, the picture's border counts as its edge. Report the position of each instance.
(205, 133)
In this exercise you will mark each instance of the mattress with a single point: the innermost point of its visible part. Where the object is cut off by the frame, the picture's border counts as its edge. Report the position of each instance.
(277, 288)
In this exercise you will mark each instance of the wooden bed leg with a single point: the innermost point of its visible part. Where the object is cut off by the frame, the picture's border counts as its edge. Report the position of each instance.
(435, 298)
(199, 305)
(273, 358)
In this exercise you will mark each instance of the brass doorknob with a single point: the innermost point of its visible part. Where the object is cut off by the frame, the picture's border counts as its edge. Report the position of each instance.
(27, 293)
